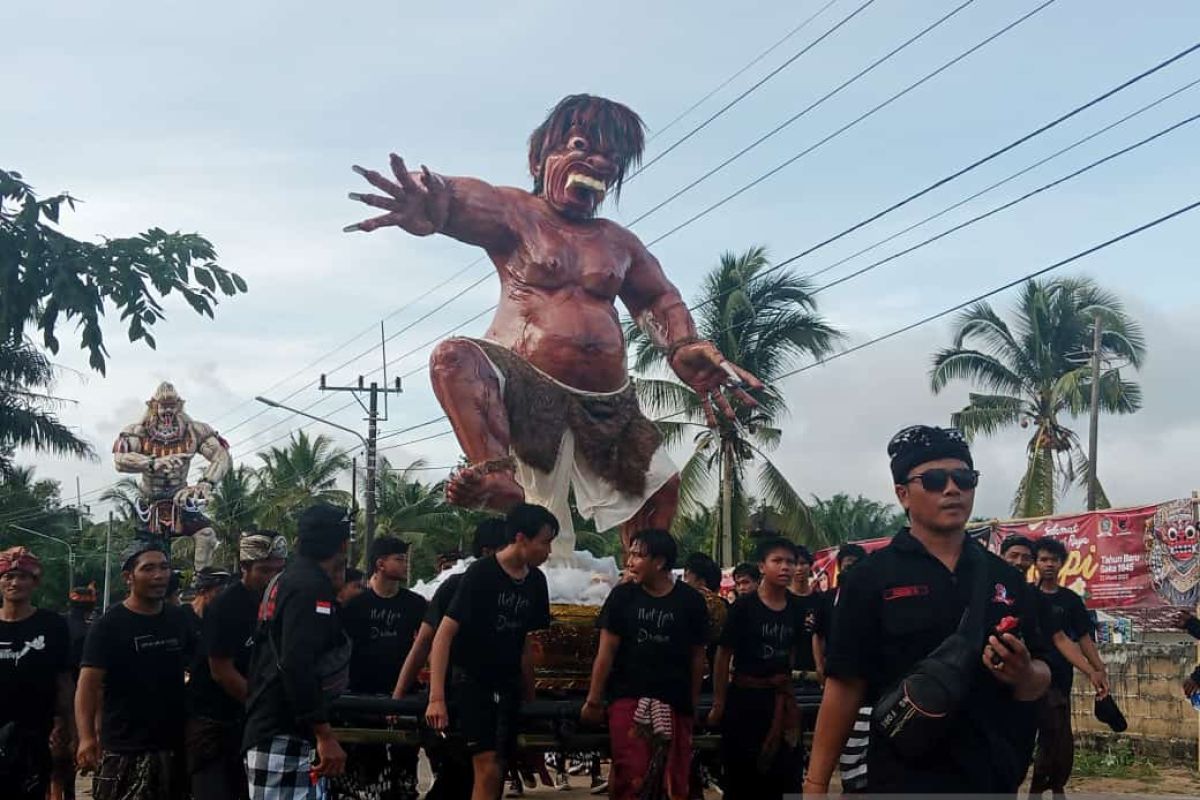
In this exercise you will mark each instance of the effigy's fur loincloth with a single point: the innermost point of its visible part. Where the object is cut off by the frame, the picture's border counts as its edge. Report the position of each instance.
(612, 435)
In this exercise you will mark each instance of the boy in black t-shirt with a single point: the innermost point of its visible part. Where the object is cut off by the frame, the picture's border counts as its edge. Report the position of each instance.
(649, 665)
(133, 675)
(382, 623)
(499, 600)
(759, 721)
(1060, 610)
(217, 686)
(450, 764)
(35, 679)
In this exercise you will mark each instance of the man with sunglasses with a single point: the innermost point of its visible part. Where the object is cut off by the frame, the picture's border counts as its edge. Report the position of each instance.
(906, 599)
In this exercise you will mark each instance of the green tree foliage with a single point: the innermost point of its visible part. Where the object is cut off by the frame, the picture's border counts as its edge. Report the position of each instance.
(764, 321)
(47, 277)
(27, 406)
(1035, 372)
(294, 477)
(843, 518)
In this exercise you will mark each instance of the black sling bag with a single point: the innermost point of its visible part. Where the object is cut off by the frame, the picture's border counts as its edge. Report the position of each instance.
(915, 714)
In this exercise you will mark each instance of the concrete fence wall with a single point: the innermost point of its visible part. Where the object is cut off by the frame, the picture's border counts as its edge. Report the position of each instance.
(1146, 680)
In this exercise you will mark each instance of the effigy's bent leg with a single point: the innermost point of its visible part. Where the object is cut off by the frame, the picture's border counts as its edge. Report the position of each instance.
(468, 389)
(657, 512)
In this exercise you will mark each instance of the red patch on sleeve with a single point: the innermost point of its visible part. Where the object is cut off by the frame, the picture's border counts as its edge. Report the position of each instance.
(901, 592)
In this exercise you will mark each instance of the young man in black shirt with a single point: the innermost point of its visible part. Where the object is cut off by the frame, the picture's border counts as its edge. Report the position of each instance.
(217, 684)
(903, 602)
(300, 662)
(1060, 610)
(649, 666)
(757, 714)
(451, 765)
(35, 679)
(133, 677)
(746, 578)
(499, 600)
(382, 623)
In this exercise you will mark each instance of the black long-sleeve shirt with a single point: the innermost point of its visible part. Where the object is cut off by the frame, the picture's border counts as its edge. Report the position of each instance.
(300, 614)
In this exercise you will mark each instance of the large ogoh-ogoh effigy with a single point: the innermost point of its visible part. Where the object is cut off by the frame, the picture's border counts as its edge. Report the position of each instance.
(542, 404)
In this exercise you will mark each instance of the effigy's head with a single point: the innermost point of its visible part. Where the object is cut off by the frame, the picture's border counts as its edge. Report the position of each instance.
(582, 151)
(164, 420)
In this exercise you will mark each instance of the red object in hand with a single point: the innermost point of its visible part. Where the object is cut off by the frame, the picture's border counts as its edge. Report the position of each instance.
(1007, 625)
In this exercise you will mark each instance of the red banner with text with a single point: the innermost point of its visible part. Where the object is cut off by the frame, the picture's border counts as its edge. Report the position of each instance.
(1126, 557)
(1118, 558)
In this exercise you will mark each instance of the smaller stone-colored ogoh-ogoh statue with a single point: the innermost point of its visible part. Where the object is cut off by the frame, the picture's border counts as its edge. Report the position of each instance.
(160, 448)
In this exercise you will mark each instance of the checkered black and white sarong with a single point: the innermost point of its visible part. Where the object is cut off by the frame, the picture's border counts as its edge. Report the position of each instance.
(281, 770)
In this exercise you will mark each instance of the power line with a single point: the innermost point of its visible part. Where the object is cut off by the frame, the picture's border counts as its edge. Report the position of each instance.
(979, 298)
(1009, 204)
(993, 155)
(1013, 176)
(741, 71)
(753, 88)
(348, 342)
(406, 328)
(975, 164)
(828, 95)
(875, 109)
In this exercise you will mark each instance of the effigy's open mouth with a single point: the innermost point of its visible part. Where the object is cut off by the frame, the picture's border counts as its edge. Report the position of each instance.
(587, 182)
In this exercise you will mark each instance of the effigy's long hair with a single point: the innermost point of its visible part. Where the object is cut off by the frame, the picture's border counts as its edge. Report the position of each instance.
(615, 127)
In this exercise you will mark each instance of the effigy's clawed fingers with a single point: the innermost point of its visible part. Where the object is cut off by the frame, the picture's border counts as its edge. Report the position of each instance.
(369, 225)
(402, 174)
(744, 397)
(381, 183)
(377, 201)
(710, 418)
(723, 404)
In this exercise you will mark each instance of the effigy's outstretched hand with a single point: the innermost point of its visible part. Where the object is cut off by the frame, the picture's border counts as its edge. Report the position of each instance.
(709, 374)
(419, 204)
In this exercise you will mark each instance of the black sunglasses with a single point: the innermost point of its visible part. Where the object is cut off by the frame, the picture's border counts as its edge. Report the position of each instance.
(935, 480)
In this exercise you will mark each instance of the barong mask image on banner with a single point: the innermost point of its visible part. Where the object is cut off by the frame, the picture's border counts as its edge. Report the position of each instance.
(542, 404)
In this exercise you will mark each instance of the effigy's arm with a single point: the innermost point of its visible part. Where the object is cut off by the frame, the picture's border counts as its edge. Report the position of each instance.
(127, 455)
(216, 451)
(423, 203)
(658, 309)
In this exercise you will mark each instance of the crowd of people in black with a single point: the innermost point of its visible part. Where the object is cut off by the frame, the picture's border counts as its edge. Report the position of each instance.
(940, 665)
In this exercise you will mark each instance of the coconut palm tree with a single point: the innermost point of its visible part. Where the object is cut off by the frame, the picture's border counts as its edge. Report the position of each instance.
(764, 321)
(1036, 372)
(843, 518)
(417, 512)
(296, 476)
(27, 407)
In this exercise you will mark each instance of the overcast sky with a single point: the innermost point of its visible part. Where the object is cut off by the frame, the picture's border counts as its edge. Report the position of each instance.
(241, 120)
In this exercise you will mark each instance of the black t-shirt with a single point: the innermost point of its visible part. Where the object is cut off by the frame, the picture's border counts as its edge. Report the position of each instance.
(143, 658)
(1063, 611)
(33, 653)
(227, 631)
(382, 630)
(654, 658)
(79, 620)
(763, 641)
(891, 611)
(494, 612)
(811, 606)
(437, 609)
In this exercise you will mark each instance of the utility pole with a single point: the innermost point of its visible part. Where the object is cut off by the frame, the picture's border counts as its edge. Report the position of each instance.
(353, 510)
(727, 547)
(1094, 426)
(371, 442)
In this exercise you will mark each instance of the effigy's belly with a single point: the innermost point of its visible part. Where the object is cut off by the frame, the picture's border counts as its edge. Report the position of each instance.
(574, 340)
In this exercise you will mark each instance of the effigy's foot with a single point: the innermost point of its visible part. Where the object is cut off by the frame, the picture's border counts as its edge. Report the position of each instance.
(490, 485)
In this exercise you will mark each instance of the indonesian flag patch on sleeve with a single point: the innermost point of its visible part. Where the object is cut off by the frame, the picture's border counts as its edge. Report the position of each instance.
(324, 607)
